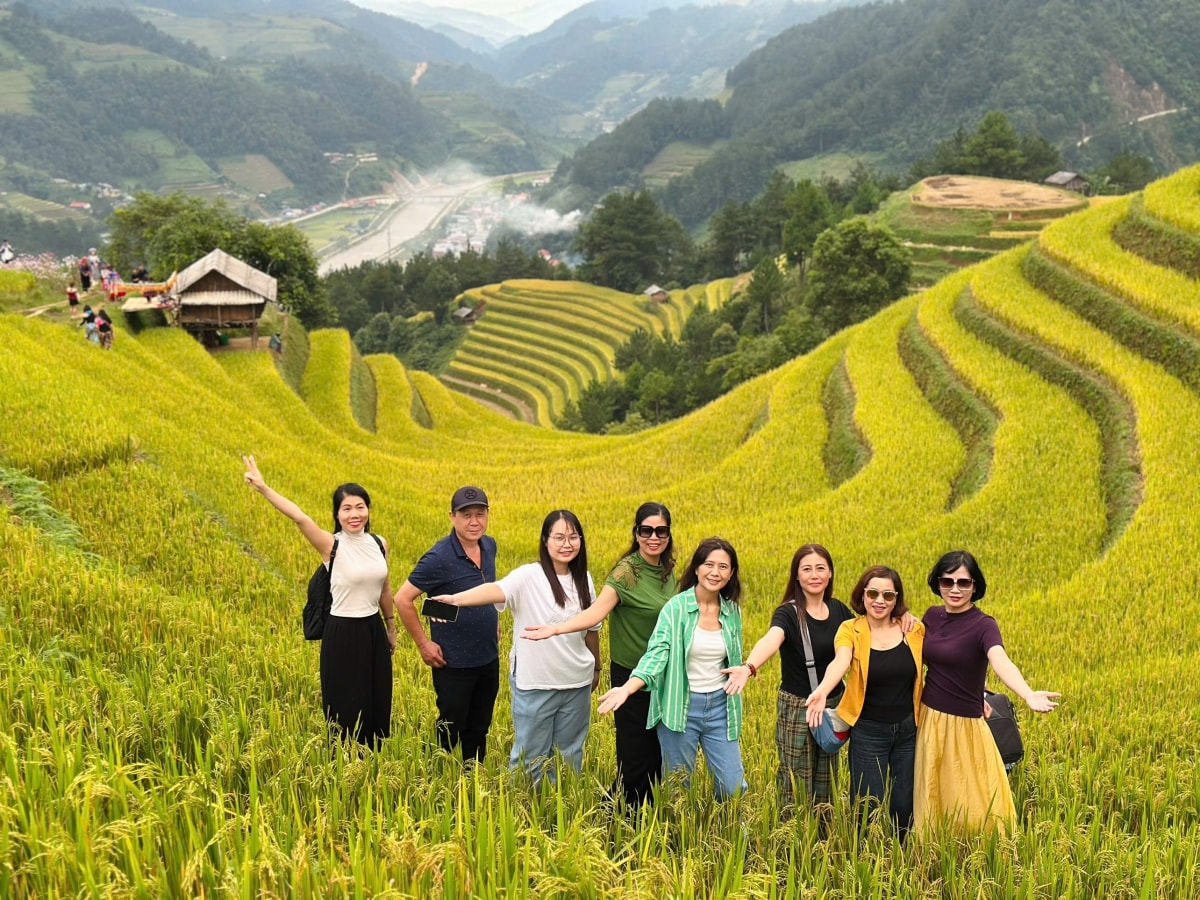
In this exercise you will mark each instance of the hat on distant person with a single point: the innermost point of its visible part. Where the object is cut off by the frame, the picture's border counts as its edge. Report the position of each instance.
(467, 496)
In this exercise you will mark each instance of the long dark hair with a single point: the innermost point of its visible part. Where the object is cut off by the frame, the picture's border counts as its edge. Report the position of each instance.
(667, 558)
(577, 567)
(733, 590)
(350, 489)
(794, 593)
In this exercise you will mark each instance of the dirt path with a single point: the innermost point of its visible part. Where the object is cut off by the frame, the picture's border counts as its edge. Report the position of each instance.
(527, 414)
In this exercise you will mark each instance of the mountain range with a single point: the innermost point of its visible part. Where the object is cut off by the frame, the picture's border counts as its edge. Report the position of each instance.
(254, 98)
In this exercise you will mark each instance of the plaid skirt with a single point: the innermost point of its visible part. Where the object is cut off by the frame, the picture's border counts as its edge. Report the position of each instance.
(804, 767)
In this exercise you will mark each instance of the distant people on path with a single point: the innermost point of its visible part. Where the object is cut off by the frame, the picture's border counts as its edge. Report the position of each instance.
(89, 325)
(696, 641)
(139, 274)
(72, 297)
(111, 277)
(94, 266)
(464, 655)
(883, 708)
(634, 593)
(807, 602)
(551, 680)
(85, 274)
(357, 646)
(104, 329)
(7, 253)
(960, 778)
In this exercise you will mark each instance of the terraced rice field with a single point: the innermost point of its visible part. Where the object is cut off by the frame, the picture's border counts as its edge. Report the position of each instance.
(540, 343)
(159, 723)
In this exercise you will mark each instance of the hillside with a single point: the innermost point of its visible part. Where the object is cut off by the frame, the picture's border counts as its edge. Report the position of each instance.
(126, 104)
(890, 80)
(158, 708)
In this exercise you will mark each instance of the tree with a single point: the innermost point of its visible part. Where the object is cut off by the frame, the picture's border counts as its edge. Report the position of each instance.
(653, 392)
(994, 149)
(1127, 171)
(810, 213)
(169, 233)
(766, 286)
(629, 242)
(857, 269)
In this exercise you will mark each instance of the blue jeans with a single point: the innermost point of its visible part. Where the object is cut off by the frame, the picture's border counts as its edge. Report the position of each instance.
(707, 727)
(545, 721)
(881, 753)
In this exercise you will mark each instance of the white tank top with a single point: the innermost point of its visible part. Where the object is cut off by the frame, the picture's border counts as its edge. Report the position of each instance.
(706, 659)
(357, 577)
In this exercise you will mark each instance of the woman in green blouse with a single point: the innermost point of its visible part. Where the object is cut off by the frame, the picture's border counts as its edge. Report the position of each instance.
(698, 635)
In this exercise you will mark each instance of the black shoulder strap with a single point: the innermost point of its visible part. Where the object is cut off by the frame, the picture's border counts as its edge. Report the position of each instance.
(333, 554)
(379, 541)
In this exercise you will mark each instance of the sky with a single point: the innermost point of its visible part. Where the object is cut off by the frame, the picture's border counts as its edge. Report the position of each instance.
(527, 15)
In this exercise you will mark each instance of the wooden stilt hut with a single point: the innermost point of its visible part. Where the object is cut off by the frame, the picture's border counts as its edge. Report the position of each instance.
(219, 292)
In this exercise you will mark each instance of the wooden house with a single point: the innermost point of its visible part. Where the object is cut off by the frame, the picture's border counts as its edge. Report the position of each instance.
(1068, 181)
(657, 294)
(219, 292)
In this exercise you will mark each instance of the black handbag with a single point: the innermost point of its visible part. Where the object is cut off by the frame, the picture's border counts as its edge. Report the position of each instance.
(320, 599)
(1003, 725)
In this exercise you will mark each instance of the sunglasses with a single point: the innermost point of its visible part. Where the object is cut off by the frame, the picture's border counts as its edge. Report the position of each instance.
(658, 531)
(947, 583)
(875, 594)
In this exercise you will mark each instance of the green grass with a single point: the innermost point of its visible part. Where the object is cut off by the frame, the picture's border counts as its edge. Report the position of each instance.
(16, 91)
(254, 172)
(833, 165)
(677, 158)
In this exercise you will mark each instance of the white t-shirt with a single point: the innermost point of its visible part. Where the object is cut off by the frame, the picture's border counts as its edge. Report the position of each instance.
(706, 659)
(356, 579)
(556, 663)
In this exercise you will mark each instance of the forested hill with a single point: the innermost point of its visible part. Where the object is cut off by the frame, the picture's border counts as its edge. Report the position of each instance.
(893, 79)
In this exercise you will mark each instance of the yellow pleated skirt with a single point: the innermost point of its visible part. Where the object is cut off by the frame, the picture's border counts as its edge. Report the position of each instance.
(959, 779)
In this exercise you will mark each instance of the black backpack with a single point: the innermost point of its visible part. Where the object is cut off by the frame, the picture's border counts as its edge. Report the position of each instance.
(320, 596)
(1003, 724)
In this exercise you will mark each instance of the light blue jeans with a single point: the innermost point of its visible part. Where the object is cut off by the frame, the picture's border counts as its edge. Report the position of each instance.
(545, 721)
(708, 728)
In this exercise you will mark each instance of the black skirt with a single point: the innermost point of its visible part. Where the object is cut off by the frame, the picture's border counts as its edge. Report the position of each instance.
(356, 678)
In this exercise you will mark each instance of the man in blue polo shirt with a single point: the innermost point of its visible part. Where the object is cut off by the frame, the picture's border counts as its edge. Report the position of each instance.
(463, 655)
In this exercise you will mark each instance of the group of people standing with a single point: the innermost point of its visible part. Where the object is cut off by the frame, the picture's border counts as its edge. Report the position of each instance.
(910, 692)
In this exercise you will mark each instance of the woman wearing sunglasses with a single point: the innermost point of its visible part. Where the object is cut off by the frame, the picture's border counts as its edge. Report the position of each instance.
(960, 777)
(883, 708)
(634, 593)
(552, 682)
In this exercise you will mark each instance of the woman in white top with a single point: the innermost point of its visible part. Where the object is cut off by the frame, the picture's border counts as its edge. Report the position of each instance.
(356, 649)
(551, 680)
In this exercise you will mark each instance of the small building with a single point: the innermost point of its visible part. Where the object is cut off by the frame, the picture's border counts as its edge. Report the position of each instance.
(657, 294)
(465, 315)
(1069, 181)
(218, 292)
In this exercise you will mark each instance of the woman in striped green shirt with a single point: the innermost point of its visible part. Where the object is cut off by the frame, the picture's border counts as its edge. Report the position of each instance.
(698, 634)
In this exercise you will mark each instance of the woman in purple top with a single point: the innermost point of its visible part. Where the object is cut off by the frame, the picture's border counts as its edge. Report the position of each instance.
(960, 776)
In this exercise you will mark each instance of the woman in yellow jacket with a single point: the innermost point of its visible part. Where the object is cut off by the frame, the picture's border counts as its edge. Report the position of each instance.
(883, 707)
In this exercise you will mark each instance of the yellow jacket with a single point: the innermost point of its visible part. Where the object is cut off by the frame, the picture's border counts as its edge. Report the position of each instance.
(856, 634)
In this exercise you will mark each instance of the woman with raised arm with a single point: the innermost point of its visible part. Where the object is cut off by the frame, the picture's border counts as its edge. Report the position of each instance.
(697, 637)
(960, 777)
(634, 593)
(808, 594)
(551, 681)
(357, 647)
(882, 708)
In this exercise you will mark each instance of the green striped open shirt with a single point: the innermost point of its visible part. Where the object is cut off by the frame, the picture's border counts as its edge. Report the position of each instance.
(664, 665)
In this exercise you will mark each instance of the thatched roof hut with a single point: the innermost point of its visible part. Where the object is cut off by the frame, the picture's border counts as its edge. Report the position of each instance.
(218, 292)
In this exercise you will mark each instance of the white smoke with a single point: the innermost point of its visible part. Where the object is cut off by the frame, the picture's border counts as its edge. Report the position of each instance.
(529, 219)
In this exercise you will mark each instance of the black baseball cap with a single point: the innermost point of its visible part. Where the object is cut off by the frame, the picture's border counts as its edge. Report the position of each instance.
(467, 496)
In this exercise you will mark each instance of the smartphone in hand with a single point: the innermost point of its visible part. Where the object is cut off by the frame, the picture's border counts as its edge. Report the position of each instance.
(436, 609)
